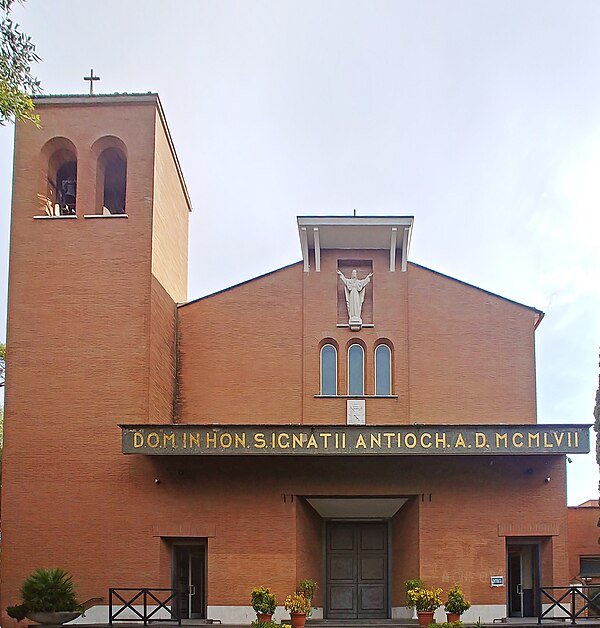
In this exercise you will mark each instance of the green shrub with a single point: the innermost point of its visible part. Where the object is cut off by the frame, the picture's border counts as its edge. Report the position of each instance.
(308, 587)
(411, 585)
(447, 624)
(49, 590)
(456, 601)
(17, 612)
(263, 601)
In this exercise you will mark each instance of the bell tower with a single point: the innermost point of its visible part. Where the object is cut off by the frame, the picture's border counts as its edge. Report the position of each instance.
(98, 263)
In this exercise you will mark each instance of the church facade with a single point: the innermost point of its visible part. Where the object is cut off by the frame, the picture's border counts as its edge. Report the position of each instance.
(353, 418)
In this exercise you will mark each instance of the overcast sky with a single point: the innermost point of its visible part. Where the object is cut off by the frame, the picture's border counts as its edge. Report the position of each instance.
(480, 118)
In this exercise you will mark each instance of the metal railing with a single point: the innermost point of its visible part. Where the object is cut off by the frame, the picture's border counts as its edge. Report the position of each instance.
(573, 602)
(146, 605)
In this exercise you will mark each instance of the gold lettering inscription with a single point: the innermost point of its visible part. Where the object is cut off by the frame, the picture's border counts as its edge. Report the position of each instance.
(375, 440)
(480, 440)
(410, 440)
(388, 436)
(501, 439)
(527, 439)
(460, 441)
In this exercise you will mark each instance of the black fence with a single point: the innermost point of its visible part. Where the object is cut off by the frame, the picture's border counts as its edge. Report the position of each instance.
(159, 605)
(572, 602)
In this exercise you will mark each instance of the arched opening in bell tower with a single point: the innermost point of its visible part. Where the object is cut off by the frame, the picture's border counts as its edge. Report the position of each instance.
(111, 176)
(59, 195)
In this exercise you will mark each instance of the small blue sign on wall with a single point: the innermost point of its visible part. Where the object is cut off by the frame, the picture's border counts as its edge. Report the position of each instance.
(496, 581)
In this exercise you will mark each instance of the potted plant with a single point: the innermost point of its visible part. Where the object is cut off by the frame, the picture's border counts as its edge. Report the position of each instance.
(48, 597)
(456, 604)
(426, 601)
(308, 588)
(412, 583)
(263, 603)
(268, 624)
(299, 607)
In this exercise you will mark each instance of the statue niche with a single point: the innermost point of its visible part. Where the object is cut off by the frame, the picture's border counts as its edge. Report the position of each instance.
(355, 291)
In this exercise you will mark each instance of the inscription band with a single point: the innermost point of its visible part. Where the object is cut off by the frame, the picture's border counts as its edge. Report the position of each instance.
(329, 440)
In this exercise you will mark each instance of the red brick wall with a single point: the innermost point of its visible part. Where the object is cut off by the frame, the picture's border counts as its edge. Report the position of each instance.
(162, 355)
(460, 355)
(471, 354)
(583, 536)
(241, 353)
(405, 548)
(309, 547)
(86, 321)
(260, 537)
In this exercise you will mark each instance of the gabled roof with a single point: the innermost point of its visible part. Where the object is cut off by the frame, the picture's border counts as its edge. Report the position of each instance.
(539, 313)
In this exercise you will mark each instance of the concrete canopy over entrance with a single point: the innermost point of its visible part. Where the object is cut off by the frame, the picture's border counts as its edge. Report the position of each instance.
(357, 507)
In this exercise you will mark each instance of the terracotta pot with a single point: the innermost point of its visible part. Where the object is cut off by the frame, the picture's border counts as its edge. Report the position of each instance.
(425, 618)
(298, 620)
(452, 617)
(264, 616)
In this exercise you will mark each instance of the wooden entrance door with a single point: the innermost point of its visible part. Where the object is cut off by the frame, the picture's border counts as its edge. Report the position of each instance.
(357, 570)
(189, 569)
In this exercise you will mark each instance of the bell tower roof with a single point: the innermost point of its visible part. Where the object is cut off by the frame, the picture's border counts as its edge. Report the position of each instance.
(391, 233)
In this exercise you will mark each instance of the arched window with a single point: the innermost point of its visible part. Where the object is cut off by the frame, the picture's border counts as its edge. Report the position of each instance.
(383, 370)
(328, 370)
(356, 370)
(58, 194)
(112, 180)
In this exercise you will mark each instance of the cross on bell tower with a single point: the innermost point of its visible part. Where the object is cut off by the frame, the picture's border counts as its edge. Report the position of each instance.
(91, 78)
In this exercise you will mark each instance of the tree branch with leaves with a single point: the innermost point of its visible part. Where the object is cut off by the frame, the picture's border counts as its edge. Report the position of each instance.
(17, 84)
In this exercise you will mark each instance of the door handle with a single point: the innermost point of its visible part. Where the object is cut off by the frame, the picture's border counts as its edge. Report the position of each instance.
(192, 589)
(519, 589)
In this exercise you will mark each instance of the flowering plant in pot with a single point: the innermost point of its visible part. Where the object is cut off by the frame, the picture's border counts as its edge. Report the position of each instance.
(48, 598)
(426, 601)
(412, 583)
(263, 603)
(298, 605)
(308, 589)
(456, 604)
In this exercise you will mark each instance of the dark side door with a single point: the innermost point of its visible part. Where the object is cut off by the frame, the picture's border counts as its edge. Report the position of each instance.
(357, 570)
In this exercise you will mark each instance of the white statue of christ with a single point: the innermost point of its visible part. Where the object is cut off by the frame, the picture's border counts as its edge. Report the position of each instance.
(354, 288)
